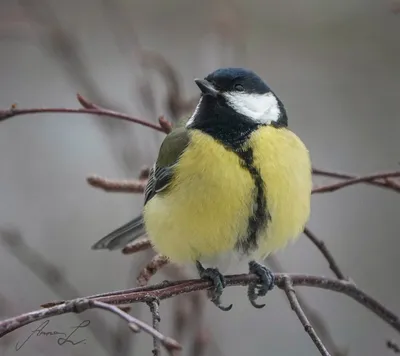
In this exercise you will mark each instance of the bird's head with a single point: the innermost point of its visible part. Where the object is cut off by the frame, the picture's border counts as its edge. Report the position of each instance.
(242, 91)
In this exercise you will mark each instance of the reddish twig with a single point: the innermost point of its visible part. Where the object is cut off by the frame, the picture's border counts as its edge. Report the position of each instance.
(295, 305)
(156, 263)
(170, 289)
(165, 124)
(144, 173)
(357, 180)
(14, 111)
(325, 252)
(386, 183)
(117, 186)
(167, 290)
(141, 244)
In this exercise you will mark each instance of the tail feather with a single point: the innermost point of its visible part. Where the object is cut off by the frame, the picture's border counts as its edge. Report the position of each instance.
(120, 237)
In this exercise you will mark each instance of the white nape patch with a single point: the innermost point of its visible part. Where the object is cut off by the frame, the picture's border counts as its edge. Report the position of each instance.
(262, 108)
(196, 110)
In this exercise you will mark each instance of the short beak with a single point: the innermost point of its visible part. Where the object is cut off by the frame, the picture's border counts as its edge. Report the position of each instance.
(206, 87)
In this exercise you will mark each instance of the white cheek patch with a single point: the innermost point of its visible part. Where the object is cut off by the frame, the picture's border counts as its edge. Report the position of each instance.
(262, 108)
(196, 110)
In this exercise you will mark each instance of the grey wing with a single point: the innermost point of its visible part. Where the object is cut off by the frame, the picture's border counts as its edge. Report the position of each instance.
(159, 179)
(122, 236)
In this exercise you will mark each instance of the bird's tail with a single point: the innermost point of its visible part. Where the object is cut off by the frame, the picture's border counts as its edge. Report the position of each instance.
(120, 237)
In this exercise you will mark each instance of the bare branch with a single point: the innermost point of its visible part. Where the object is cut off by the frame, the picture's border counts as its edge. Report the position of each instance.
(357, 180)
(156, 263)
(141, 244)
(136, 325)
(49, 274)
(314, 316)
(155, 312)
(165, 124)
(117, 186)
(79, 306)
(325, 252)
(13, 111)
(167, 290)
(294, 303)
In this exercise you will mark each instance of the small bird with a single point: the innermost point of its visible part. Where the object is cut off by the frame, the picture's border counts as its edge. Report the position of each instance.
(232, 179)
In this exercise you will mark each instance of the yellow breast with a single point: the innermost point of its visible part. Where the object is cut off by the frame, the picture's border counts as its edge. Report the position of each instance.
(285, 166)
(207, 207)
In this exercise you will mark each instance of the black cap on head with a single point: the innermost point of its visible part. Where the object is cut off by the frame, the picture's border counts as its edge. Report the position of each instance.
(237, 80)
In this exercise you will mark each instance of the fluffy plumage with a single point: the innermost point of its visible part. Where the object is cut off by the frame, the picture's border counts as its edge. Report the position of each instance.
(234, 178)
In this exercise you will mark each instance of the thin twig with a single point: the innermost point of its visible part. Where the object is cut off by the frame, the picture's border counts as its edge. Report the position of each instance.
(386, 183)
(294, 303)
(314, 316)
(176, 104)
(155, 312)
(367, 178)
(325, 252)
(78, 306)
(50, 274)
(6, 114)
(141, 244)
(123, 342)
(117, 186)
(135, 324)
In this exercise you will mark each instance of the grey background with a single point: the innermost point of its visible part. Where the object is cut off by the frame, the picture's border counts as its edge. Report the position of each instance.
(335, 64)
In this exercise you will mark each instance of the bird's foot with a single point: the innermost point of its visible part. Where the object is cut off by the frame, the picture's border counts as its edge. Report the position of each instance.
(219, 284)
(255, 289)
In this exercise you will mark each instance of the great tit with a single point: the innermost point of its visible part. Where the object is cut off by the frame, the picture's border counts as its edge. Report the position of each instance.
(232, 179)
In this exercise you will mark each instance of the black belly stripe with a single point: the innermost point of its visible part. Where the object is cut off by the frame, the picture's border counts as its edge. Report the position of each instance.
(260, 217)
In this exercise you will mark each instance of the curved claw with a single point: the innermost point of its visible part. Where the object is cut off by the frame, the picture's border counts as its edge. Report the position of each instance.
(267, 283)
(219, 284)
(251, 293)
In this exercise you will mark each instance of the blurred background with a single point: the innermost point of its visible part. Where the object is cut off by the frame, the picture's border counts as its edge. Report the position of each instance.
(336, 66)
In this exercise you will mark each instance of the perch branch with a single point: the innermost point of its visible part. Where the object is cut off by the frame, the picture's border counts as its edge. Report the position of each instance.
(167, 290)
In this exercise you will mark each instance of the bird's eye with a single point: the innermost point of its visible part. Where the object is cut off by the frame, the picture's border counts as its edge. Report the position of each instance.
(239, 87)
